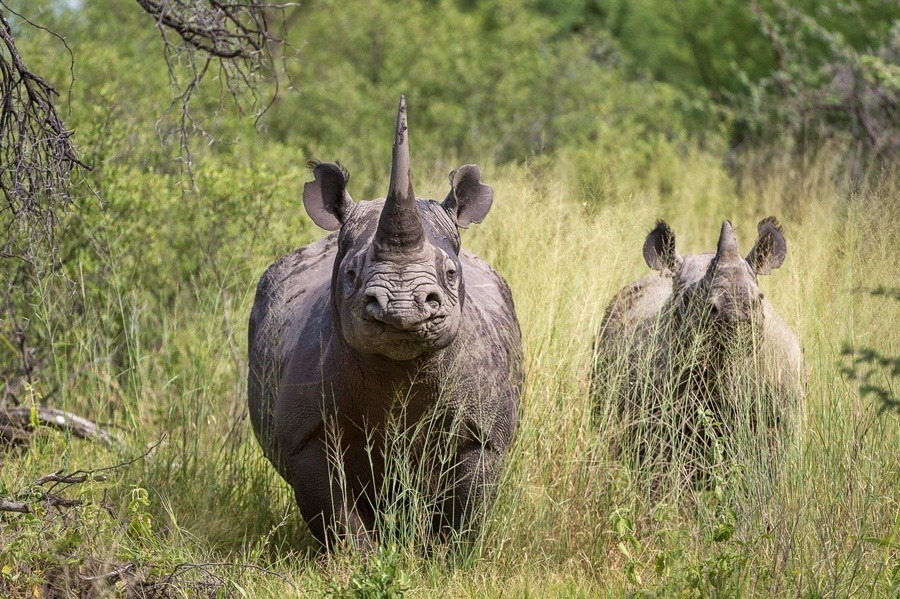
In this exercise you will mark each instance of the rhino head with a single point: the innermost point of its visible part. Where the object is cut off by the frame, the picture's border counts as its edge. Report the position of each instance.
(397, 285)
(721, 289)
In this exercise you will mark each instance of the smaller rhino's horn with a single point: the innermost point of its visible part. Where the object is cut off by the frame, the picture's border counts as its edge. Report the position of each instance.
(727, 250)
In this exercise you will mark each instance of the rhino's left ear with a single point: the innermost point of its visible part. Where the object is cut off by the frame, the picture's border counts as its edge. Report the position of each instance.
(326, 199)
(469, 199)
(770, 249)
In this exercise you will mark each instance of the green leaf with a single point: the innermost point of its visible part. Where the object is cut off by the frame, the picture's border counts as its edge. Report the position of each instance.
(623, 526)
(723, 532)
(33, 416)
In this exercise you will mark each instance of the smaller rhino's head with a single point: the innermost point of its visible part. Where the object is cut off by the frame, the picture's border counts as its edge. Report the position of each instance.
(397, 286)
(718, 290)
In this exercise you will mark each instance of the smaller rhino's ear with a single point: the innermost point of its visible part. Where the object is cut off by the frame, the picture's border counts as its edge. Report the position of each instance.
(659, 248)
(326, 199)
(770, 249)
(469, 199)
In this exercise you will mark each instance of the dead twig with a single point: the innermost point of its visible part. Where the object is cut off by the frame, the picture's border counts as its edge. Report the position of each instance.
(207, 568)
(50, 498)
(59, 477)
(69, 479)
(114, 574)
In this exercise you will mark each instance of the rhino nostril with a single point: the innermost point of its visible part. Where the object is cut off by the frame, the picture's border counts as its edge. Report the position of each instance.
(374, 306)
(433, 300)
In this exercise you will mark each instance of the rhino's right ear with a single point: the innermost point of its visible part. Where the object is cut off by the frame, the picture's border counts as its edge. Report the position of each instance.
(469, 199)
(659, 248)
(326, 199)
(770, 249)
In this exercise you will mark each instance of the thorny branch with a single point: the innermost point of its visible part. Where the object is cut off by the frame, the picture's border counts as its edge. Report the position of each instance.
(37, 156)
(231, 40)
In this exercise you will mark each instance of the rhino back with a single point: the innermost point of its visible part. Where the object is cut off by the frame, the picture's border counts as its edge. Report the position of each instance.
(633, 313)
(782, 360)
(291, 301)
(489, 294)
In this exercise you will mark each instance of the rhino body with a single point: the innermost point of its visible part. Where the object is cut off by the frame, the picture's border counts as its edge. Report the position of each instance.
(384, 328)
(687, 346)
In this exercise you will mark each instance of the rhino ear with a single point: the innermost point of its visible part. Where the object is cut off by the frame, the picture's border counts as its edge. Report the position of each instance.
(326, 199)
(659, 248)
(770, 249)
(469, 199)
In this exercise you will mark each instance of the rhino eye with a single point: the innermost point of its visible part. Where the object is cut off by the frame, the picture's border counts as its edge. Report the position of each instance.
(451, 274)
(351, 274)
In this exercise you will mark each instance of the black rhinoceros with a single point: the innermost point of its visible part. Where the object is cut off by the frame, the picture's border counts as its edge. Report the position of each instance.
(385, 327)
(695, 349)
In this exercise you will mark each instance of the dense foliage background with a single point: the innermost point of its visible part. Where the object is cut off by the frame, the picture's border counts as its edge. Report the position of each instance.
(590, 118)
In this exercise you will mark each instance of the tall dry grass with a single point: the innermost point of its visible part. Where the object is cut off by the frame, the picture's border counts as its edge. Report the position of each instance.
(569, 519)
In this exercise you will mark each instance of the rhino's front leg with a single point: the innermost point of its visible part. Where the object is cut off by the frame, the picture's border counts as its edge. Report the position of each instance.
(472, 487)
(333, 512)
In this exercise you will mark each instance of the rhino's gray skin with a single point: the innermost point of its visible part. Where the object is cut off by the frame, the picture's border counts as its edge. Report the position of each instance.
(387, 307)
(693, 327)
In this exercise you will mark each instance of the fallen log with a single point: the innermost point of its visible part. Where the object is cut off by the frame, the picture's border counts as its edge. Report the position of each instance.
(16, 423)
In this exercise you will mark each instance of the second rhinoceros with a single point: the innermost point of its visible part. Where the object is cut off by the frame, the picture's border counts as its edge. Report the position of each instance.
(386, 328)
(695, 350)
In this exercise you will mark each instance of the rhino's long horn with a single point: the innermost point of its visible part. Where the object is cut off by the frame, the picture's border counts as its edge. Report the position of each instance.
(400, 231)
(727, 250)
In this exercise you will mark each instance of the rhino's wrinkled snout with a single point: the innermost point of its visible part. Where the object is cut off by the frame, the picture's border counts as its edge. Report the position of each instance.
(404, 311)
(734, 299)
(735, 307)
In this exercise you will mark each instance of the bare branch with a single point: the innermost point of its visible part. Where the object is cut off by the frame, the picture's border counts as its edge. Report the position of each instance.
(233, 41)
(69, 479)
(14, 506)
(224, 29)
(209, 568)
(37, 156)
(48, 499)
(114, 574)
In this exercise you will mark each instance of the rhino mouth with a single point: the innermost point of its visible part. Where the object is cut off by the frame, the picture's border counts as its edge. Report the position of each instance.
(399, 334)
(403, 343)
(421, 330)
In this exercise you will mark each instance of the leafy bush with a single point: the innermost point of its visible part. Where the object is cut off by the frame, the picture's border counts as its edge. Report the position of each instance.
(825, 91)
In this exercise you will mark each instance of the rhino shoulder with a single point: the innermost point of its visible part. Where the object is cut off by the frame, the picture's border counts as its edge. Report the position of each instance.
(288, 286)
(782, 352)
(635, 307)
(486, 288)
(286, 297)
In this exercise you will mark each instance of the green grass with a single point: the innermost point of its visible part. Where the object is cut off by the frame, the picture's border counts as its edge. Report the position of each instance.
(163, 359)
